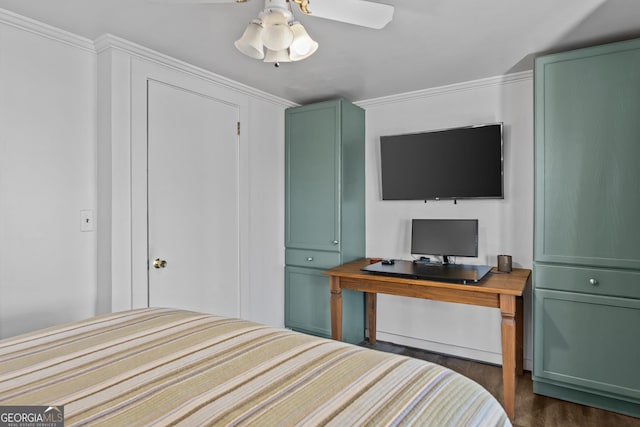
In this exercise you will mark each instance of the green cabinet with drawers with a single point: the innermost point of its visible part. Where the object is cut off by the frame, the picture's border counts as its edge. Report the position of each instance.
(324, 213)
(587, 226)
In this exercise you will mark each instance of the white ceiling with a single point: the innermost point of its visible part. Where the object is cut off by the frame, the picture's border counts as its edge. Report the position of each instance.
(429, 43)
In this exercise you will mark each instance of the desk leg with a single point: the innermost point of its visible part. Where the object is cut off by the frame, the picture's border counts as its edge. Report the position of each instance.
(508, 311)
(372, 303)
(336, 308)
(519, 336)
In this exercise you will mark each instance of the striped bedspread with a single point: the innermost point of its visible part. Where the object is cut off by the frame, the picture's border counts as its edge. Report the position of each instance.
(173, 367)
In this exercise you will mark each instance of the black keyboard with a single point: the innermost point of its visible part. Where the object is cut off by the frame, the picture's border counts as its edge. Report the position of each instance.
(457, 273)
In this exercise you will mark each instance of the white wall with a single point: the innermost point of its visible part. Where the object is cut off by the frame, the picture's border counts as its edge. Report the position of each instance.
(51, 89)
(265, 263)
(47, 176)
(48, 127)
(505, 226)
(124, 69)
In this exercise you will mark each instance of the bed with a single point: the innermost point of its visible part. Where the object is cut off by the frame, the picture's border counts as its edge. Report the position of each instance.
(173, 367)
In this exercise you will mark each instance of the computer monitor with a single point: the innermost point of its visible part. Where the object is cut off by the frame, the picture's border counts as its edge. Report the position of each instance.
(444, 237)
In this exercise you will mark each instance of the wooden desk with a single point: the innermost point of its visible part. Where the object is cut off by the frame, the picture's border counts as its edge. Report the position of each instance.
(498, 290)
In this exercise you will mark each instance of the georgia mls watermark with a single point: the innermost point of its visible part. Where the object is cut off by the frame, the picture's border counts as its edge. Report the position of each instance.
(31, 416)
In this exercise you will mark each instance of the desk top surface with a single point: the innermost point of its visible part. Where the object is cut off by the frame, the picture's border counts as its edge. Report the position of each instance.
(494, 282)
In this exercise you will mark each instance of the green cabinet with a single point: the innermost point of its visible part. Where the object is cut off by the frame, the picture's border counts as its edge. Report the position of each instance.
(324, 212)
(587, 226)
(308, 304)
(587, 153)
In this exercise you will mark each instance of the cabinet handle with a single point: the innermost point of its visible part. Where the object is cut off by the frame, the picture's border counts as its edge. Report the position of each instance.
(593, 282)
(335, 242)
(309, 258)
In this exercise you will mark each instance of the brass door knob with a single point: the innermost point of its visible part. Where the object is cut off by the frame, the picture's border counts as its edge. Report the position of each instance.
(159, 263)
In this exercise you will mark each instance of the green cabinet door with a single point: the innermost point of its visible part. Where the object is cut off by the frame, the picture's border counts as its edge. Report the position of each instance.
(588, 343)
(312, 177)
(587, 134)
(307, 308)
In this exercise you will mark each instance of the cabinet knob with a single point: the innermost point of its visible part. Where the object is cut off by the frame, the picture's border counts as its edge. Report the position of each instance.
(593, 282)
(335, 242)
(310, 258)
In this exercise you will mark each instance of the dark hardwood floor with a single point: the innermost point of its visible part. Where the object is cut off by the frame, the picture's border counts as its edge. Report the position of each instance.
(532, 410)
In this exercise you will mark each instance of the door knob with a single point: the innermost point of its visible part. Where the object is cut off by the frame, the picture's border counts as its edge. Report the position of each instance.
(159, 263)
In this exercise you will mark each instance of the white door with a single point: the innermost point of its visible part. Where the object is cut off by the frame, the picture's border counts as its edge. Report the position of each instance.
(192, 201)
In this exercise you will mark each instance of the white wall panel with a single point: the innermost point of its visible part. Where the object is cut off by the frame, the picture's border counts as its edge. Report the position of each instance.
(65, 146)
(124, 71)
(47, 176)
(265, 232)
(505, 226)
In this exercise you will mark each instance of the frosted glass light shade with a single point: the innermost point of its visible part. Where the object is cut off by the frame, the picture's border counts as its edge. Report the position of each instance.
(303, 46)
(251, 41)
(277, 56)
(276, 35)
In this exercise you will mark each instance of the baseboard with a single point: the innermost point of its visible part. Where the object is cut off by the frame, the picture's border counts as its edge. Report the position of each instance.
(586, 398)
(449, 349)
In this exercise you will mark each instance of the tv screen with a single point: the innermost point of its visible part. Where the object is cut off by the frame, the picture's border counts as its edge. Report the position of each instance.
(445, 237)
(458, 163)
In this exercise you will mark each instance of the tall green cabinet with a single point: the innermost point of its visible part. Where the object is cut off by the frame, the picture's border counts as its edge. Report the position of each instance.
(324, 213)
(587, 226)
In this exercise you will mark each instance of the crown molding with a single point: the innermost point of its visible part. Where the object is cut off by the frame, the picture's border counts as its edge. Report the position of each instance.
(41, 29)
(441, 90)
(109, 41)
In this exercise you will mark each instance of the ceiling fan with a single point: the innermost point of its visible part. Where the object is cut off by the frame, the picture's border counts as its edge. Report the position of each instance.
(285, 39)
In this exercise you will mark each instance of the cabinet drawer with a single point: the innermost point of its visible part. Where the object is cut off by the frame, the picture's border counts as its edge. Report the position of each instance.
(311, 258)
(597, 281)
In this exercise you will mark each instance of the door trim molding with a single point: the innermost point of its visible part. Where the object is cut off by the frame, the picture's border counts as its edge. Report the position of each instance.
(141, 73)
(122, 171)
(109, 42)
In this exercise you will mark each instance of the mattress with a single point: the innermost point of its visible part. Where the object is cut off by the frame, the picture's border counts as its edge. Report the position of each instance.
(173, 367)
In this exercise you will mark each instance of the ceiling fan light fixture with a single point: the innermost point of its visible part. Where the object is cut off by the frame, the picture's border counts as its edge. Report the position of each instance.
(302, 46)
(251, 41)
(285, 40)
(277, 34)
(277, 56)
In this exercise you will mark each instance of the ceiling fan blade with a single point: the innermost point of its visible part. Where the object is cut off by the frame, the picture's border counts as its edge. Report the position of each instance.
(357, 12)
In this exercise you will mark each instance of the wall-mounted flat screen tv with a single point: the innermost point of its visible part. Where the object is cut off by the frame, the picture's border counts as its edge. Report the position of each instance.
(457, 163)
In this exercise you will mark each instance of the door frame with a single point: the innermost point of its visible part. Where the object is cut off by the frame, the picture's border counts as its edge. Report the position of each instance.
(142, 72)
(227, 164)
(124, 213)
